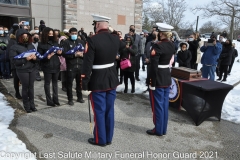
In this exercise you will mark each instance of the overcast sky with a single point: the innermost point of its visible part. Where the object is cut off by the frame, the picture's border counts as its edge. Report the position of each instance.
(191, 17)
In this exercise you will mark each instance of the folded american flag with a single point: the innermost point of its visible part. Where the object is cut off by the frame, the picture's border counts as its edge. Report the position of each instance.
(26, 54)
(79, 48)
(52, 49)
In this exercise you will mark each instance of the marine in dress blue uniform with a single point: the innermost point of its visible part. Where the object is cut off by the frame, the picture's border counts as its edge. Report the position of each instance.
(160, 79)
(99, 75)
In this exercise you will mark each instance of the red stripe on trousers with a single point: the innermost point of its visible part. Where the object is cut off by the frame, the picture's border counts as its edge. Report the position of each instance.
(152, 99)
(95, 120)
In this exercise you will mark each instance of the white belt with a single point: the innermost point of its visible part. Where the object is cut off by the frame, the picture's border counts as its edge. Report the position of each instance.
(163, 66)
(103, 66)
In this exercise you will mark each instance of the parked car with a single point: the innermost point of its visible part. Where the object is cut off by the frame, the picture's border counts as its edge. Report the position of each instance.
(207, 35)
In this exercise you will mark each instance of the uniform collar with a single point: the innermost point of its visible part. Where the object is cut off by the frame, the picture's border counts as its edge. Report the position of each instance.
(103, 30)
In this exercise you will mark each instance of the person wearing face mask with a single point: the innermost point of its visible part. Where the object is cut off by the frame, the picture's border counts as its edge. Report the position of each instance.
(74, 65)
(138, 44)
(184, 55)
(25, 68)
(35, 38)
(3, 37)
(225, 59)
(36, 29)
(6, 32)
(129, 53)
(50, 66)
(193, 46)
(234, 55)
(209, 57)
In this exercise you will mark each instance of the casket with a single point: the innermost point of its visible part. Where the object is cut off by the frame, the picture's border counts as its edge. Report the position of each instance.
(185, 73)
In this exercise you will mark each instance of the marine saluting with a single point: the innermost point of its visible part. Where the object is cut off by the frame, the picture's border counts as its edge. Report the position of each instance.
(99, 75)
(160, 79)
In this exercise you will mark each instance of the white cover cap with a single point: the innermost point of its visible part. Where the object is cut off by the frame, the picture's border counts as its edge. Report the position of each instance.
(163, 27)
(98, 18)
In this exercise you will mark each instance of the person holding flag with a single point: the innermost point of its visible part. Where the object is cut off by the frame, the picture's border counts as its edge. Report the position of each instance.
(50, 64)
(99, 75)
(74, 59)
(25, 67)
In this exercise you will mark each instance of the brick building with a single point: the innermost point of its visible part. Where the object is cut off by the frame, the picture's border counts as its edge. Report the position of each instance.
(61, 14)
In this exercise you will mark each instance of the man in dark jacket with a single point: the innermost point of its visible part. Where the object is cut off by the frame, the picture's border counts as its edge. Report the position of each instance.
(4, 61)
(74, 65)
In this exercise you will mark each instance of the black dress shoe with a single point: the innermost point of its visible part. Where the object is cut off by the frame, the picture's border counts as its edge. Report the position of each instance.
(218, 79)
(51, 104)
(28, 111)
(133, 91)
(80, 100)
(34, 109)
(150, 132)
(224, 80)
(91, 141)
(137, 78)
(109, 143)
(18, 96)
(70, 103)
(57, 103)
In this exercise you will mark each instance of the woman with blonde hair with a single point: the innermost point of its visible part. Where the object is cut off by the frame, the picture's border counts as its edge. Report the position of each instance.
(160, 79)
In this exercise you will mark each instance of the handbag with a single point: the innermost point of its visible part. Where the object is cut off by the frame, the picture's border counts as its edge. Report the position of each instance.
(125, 63)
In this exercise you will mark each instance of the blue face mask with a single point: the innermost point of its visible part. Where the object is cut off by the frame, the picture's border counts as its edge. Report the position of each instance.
(1, 31)
(74, 37)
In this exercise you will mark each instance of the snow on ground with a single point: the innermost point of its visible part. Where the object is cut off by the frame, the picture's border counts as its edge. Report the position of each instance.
(11, 147)
(231, 105)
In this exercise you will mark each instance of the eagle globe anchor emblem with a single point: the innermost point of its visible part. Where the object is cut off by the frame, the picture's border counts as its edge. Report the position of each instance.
(174, 91)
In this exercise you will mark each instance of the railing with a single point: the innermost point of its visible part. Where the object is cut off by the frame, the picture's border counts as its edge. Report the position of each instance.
(16, 2)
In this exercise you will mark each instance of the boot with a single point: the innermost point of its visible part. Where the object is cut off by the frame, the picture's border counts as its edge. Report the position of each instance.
(126, 88)
(64, 86)
(133, 86)
(18, 96)
(133, 89)
(27, 109)
(121, 80)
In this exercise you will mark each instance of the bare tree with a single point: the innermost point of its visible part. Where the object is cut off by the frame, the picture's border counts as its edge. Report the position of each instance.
(222, 8)
(167, 11)
(209, 27)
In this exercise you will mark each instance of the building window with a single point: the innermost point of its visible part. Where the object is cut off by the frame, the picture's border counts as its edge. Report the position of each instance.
(121, 20)
(16, 2)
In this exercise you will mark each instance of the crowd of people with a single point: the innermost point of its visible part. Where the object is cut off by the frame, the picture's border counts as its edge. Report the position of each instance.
(111, 65)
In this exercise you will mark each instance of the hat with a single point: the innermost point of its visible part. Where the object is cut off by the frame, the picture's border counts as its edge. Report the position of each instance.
(98, 18)
(142, 33)
(163, 27)
(65, 30)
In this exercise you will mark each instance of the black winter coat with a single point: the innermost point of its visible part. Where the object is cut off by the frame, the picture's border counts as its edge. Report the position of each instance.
(4, 57)
(184, 58)
(51, 65)
(226, 55)
(72, 61)
(193, 46)
(12, 41)
(132, 51)
(22, 65)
